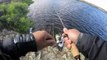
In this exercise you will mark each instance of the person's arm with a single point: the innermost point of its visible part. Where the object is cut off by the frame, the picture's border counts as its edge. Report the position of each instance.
(93, 47)
(21, 44)
(18, 45)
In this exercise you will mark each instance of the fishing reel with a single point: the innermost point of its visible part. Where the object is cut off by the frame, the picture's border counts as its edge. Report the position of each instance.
(60, 46)
(59, 42)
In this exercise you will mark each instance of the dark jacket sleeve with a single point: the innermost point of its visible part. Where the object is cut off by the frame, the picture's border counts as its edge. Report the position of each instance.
(18, 46)
(93, 47)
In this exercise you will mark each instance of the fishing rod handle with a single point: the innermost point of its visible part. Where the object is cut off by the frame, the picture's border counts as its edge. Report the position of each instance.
(75, 51)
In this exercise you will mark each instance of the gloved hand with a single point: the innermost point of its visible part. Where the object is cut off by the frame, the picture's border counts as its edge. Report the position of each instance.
(43, 39)
(73, 35)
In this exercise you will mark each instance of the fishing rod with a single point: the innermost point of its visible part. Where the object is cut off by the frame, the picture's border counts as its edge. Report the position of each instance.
(74, 49)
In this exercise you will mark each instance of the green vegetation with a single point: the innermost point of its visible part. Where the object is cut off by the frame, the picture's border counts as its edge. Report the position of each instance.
(24, 1)
(14, 15)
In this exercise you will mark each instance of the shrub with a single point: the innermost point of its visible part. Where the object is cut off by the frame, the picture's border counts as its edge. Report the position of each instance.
(15, 16)
(24, 1)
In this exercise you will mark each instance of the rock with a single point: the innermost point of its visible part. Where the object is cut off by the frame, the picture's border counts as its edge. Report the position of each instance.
(50, 53)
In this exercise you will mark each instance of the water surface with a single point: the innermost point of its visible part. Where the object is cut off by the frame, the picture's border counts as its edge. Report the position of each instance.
(74, 13)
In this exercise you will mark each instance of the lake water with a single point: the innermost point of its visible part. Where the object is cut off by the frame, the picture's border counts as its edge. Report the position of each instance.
(75, 14)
